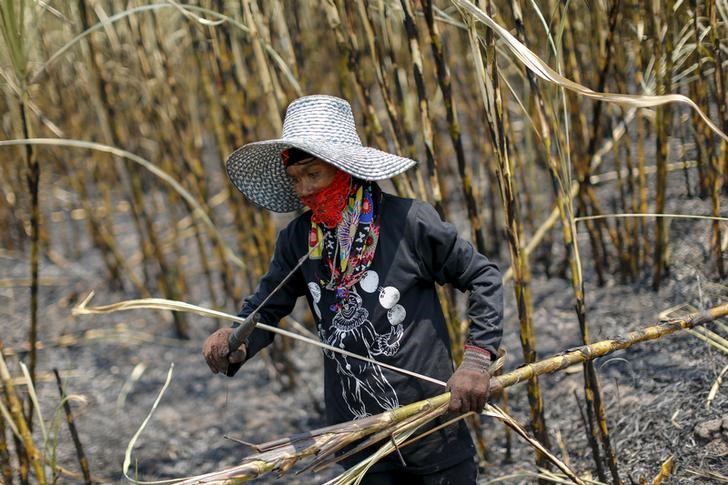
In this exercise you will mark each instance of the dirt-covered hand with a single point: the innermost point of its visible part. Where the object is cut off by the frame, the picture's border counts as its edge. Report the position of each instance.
(469, 390)
(217, 354)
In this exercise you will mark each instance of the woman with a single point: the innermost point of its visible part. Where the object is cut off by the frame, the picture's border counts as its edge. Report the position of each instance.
(374, 262)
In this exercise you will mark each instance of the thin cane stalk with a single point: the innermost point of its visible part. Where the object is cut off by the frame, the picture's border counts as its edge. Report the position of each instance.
(82, 460)
(445, 82)
(425, 119)
(494, 118)
(272, 108)
(16, 411)
(663, 123)
(720, 161)
(565, 207)
(5, 464)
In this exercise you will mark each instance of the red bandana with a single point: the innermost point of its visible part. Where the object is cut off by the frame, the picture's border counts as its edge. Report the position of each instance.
(328, 203)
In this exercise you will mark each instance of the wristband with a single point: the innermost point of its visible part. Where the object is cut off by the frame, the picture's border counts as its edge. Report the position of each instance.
(476, 359)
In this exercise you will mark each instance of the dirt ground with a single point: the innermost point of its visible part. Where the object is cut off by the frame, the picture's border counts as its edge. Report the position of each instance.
(656, 393)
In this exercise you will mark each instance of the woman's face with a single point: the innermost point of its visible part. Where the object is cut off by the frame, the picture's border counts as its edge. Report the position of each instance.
(310, 175)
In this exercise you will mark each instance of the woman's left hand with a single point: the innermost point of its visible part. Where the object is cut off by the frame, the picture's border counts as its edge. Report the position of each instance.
(469, 390)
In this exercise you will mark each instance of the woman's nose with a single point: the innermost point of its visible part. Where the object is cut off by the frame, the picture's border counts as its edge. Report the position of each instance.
(305, 189)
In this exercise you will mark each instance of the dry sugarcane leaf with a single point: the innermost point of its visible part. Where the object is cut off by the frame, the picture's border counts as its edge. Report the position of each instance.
(326, 459)
(495, 411)
(543, 71)
(714, 388)
(665, 471)
(132, 442)
(336, 437)
(180, 306)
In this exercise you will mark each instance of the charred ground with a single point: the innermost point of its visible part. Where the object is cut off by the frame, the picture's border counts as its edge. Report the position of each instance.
(655, 393)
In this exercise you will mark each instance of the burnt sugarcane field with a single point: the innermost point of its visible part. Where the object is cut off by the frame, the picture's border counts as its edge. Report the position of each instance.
(364, 241)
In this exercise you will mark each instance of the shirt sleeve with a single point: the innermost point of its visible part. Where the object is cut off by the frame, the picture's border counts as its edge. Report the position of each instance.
(444, 257)
(281, 303)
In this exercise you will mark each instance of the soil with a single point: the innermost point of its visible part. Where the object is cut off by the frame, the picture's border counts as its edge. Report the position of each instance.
(655, 393)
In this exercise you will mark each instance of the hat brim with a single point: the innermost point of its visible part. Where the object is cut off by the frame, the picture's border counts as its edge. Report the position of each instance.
(256, 169)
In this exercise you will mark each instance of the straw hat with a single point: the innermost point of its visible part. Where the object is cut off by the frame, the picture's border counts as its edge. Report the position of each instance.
(322, 126)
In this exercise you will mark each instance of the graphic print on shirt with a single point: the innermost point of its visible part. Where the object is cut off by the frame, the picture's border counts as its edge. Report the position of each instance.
(350, 327)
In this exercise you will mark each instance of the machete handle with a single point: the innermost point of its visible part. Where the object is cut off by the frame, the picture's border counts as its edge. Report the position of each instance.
(237, 338)
(241, 333)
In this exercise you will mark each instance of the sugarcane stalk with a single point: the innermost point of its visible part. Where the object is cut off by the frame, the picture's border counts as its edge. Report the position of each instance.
(33, 181)
(149, 240)
(281, 454)
(521, 272)
(641, 237)
(262, 16)
(173, 276)
(272, 110)
(231, 74)
(411, 422)
(5, 466)
(378, 64)
(26, 438)
(190, 169)
(279, 22)
(720, 165)
(106, 113)
(393, 94)
(622, 228)
(356, 65)
(413, 43)
(82, 460)
(663, 122)
(223, 88)
(577, 118)
(445, 82)
(702, 148)
(630, 205)
(230, 283)
(580, 125)
(16, 46)
(565, 207)
(592, 389)
(351, 62)
(604, 347)
(401, 135)
(704, 143)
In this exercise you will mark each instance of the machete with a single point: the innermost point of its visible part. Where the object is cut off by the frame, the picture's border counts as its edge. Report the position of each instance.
(243, 331)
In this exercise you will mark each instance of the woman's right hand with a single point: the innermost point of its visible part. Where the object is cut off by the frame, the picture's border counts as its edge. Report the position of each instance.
(217, 353)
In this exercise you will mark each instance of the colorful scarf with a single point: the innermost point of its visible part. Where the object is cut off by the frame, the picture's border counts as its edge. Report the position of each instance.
(347, 250)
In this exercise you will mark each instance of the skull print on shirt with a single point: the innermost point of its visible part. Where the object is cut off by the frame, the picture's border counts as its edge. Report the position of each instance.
(351, 328)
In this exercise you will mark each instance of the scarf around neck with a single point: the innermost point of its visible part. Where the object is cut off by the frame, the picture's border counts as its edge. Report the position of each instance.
(346, 250)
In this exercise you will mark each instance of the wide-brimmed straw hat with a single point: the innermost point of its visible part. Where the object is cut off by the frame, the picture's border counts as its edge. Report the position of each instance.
(322, 126)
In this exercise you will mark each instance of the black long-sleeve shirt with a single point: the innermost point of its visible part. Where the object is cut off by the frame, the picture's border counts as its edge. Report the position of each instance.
(392, 315)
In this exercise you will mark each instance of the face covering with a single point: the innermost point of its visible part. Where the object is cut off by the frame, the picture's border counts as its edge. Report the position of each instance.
(328, 203)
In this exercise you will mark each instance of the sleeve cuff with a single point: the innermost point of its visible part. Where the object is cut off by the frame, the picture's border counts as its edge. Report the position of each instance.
(476, 359)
